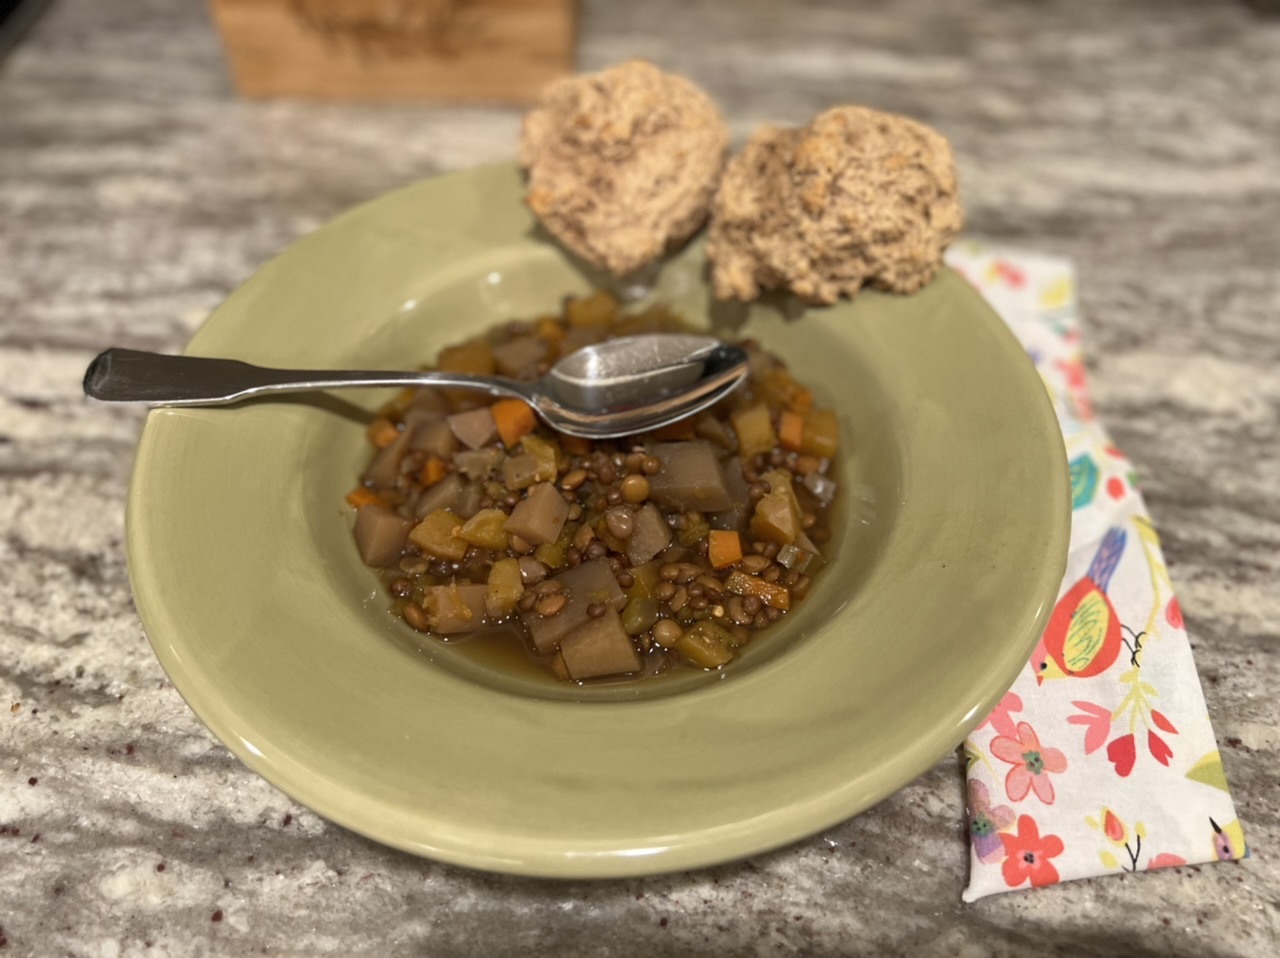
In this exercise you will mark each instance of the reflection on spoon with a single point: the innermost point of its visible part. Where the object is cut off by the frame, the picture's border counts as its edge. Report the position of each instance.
(615, 388)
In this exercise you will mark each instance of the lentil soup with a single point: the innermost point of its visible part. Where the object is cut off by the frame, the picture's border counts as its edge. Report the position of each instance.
(595, 561)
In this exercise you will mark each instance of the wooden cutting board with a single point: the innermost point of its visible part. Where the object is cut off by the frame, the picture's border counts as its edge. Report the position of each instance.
(501, 51)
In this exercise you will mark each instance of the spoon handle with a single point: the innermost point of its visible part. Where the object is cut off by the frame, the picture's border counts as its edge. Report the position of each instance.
(129, 375)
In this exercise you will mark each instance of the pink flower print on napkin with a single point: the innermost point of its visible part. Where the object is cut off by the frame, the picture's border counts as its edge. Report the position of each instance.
(1097, 722)
(986, 822)
(1027, 855)
(1001, 719)
(1032, 764)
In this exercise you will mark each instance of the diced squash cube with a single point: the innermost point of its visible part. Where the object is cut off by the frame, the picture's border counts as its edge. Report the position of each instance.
(777, 515)
(544, 454)
(504, 589)
(437, 535)
(754, 428)
(485, 529)
(774, 520)
(821, 433)
(780, 391)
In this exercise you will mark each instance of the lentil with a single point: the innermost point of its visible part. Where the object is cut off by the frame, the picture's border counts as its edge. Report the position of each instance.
(635, 489)
(416, 616)
(666, 632)
(549, 605)
(620, 523)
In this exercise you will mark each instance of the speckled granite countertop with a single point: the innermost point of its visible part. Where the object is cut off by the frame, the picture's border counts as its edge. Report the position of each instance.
(135, 192)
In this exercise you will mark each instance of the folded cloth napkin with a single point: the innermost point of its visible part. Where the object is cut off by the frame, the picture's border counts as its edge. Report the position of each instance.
(1100, 758)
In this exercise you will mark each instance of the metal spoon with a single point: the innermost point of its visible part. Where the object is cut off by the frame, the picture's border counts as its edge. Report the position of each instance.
(614, 388)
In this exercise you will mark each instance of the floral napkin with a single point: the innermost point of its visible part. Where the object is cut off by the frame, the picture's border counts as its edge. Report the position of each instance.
(1101, 758)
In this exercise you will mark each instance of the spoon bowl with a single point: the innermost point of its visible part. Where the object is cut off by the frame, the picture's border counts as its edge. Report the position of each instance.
(615, 388)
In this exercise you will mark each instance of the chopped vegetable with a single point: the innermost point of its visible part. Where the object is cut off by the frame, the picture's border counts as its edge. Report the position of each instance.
(586, 584)
(702, 648)
(804, 561)
(504, 588)
(519, 472)
(456, 607)
(360, 496)
(774, 595)
(599, 646)
(821, 433)
(754, 429)
(639, 615)
(445, 494)
(690, 477)
(514, 357)
(791, 430)
(822, 487)
(475, 427)
(437, 534)
(514, 419)
(432, 436)
(540, 516)
(775, 519)
(381, 432)
(724, 548)
(544, 454)
(780, 391)
(485, 529)
(650, 535)
(432, 471)
(478, 463)
(380, 534)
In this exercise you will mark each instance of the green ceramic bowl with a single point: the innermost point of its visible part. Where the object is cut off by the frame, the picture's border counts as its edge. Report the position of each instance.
(952, 544)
